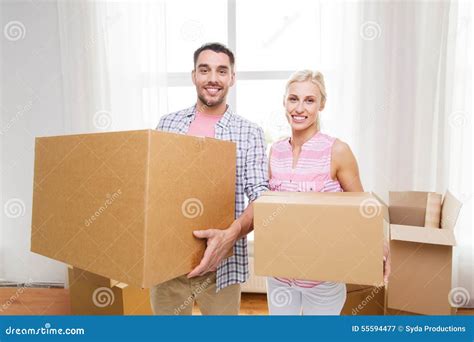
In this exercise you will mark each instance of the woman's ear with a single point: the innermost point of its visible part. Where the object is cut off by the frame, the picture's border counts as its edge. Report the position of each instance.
(322, 105)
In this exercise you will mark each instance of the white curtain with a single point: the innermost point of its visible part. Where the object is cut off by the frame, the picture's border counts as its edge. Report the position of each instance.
(114, 61)
(458, 128)
(412, 125)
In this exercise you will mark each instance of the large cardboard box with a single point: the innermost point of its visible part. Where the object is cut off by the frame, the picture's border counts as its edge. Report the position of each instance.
(124, 204)
(363, 300)
(420, 281)
(91, 294)
(320, 236)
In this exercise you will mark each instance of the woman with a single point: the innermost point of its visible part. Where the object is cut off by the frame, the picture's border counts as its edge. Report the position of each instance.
(309, 161)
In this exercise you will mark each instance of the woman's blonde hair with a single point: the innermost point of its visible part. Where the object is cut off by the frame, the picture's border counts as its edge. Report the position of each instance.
(309, 75)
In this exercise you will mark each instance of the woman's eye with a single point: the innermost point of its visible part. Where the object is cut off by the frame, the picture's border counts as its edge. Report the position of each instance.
(310, 101)
(292, 99)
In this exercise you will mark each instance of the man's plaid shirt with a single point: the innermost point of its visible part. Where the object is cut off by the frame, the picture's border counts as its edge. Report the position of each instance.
(251, 176)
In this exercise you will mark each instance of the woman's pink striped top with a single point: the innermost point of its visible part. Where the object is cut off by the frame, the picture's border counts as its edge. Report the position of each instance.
(312, 173)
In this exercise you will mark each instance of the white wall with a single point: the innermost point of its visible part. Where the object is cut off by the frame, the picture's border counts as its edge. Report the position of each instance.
(31, 106)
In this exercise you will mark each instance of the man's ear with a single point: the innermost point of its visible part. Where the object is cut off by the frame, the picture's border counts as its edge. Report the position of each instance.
(193, 76)
(232, 81)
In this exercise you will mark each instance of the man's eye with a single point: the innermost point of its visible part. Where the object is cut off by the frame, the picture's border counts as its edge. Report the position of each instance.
(203, 71)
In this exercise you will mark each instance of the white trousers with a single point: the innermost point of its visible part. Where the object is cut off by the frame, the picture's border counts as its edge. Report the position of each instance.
(326, 298)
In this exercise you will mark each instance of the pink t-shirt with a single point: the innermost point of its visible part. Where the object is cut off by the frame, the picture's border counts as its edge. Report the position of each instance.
(204, 125)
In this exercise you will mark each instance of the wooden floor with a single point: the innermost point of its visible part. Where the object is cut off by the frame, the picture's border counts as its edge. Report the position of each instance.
(33, 301)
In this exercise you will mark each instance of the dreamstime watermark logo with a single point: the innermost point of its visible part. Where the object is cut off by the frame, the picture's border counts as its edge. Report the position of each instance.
(281, 296)
(190, 300)
(14, 297)
(14, 30)
(192, 208)
(367, 299)
(458, 119)
(447, 220)
(46, 330)
(370, 30)
(99, 35)
(202, 107)
(102, 297)
(288, 20)
(110, 198)
(465, 197)
(22, 110)
(270, 218)
(369, 208)
(102, 120)
(459, 297)
(192, 30)
(14, 208)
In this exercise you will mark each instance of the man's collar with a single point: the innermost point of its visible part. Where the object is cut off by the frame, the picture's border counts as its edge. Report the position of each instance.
(224, 122)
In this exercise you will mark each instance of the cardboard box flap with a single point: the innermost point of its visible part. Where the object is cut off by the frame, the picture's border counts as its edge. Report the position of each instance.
(450, 211)
(408, 207)
(407, 199)
(422, 235)
(121, 285)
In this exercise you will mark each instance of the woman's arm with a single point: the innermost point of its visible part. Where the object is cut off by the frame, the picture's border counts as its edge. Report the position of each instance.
(345, 167)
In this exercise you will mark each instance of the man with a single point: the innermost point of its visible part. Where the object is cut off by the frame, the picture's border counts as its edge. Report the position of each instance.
(215, 283)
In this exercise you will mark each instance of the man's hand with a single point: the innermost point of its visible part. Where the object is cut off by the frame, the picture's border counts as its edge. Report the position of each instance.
(386, 262)
(219, 242)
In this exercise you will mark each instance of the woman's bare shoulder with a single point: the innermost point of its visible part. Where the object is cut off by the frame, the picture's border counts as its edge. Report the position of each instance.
(341, 150)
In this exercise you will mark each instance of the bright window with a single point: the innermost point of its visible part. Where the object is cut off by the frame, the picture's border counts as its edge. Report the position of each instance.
(266, 55)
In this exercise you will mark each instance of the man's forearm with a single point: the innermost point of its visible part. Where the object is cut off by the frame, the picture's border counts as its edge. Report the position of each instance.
(244, 223)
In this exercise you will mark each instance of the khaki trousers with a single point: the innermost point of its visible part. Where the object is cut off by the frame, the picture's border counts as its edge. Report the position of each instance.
(177, 296)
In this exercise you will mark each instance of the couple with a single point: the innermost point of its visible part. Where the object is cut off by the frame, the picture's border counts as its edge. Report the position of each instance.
(308, 161)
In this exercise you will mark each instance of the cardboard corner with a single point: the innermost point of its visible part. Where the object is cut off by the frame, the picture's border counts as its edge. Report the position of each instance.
(450, 210)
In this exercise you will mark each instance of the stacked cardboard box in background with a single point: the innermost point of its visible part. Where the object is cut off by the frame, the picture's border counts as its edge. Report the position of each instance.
(364, 300)
(421, 255)
(92, 294)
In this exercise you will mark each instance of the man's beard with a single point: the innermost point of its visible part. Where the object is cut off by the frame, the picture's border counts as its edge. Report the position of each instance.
(213, 102)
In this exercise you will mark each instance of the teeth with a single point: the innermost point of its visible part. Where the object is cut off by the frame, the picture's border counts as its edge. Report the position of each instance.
(212, 91)
(299, 118)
